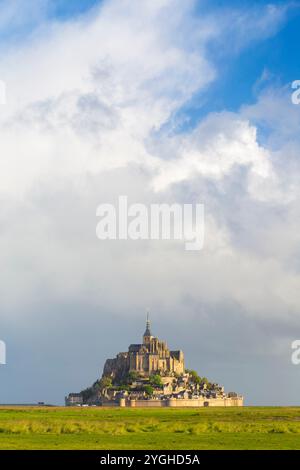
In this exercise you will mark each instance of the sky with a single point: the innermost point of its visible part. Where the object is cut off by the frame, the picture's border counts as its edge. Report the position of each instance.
(166, 102)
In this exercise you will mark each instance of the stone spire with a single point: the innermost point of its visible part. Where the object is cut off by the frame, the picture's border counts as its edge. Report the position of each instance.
(147, 331)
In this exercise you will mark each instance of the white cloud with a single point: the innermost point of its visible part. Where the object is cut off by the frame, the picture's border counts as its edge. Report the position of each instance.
(84, 101)
(214, 147)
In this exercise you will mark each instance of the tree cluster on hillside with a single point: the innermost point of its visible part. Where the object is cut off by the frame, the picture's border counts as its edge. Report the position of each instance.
(196, 379)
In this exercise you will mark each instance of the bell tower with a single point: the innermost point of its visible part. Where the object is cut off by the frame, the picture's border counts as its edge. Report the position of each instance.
(147, 335)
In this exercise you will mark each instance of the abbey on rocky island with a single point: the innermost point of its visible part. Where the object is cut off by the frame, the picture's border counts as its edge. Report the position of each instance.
(149, 374)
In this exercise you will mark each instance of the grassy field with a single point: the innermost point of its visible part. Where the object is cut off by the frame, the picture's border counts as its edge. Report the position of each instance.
(107, 428)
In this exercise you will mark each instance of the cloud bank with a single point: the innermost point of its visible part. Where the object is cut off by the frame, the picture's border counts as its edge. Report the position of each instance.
(90, 116)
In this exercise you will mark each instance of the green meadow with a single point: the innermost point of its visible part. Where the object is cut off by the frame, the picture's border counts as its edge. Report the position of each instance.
(115, 428)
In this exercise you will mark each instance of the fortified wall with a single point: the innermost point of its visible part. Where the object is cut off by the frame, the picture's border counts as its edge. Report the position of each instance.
(179, 403)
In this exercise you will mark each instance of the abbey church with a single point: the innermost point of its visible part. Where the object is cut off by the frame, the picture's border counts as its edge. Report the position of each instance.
(151, 357)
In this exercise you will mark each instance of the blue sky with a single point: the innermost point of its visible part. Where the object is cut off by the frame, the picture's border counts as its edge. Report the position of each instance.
(243, 74)
(63, 9)
(166, 101)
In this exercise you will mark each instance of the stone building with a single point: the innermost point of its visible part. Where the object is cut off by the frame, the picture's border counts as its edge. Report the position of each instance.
(150, 357)
(74, 399)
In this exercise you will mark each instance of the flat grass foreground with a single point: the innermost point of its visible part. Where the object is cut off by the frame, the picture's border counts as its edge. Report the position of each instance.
(115, 428)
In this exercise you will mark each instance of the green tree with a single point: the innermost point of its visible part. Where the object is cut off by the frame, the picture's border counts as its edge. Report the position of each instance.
(155, 381)
(149, 390)
(105, 382)
(87, 394)
(194, 376)
(123, 388)
(132, 376)
(209, 386)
